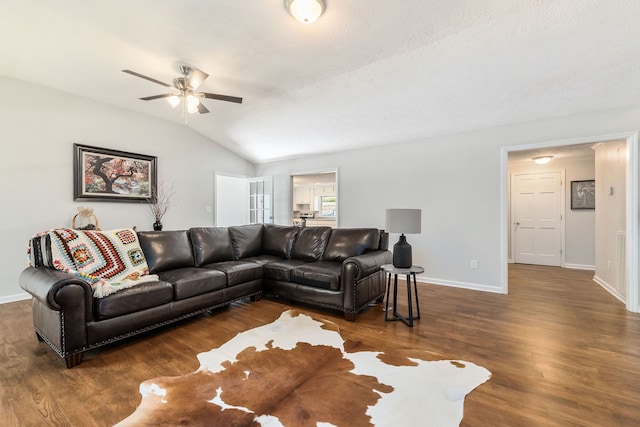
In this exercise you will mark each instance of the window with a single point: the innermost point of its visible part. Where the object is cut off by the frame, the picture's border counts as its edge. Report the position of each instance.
(328, 206)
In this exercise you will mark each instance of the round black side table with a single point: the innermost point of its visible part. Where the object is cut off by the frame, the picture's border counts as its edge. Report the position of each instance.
(390, 270)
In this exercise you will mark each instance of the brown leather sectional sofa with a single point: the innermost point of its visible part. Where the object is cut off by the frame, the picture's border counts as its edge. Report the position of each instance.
(204, 268)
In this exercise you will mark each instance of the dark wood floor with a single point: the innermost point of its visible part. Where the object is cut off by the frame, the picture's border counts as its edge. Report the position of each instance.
(562, 351)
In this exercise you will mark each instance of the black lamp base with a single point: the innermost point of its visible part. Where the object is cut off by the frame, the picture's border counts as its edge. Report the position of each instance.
(402, 253)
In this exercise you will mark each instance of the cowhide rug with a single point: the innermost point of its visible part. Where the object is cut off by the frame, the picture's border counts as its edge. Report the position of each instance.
(298, 371)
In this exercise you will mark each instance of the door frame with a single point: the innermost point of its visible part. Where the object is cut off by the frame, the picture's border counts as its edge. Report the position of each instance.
(562, 172)
(315, 172)
(633, 287)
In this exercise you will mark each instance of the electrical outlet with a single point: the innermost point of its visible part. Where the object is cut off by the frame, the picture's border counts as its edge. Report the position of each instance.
(608, 265)
(474, 264)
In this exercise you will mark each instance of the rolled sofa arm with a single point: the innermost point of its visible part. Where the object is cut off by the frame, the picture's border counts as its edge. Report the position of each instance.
(358, 267)
(363, 281)
(62, 305)
(53, 288)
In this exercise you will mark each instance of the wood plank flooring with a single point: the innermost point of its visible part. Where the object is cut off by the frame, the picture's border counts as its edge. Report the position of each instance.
(562, 351)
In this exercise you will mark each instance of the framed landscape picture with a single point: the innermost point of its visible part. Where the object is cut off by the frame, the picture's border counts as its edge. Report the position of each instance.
(583, 194)
(104, 175)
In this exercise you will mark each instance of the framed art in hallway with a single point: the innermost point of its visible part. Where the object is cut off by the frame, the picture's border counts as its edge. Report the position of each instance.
(583, 194)
(105, 175)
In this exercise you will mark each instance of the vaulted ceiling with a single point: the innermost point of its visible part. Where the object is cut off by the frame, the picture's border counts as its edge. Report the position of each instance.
(368, 72)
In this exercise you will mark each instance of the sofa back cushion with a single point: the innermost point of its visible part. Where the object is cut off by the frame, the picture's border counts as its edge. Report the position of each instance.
(246, 240)
(211, 244)
(310, 243)
(166, 250)
(384, 241)
(278, 240)
(347, 242)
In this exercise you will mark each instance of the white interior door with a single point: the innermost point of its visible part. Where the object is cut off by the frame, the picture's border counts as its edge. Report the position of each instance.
(231, 200)
(537, 217)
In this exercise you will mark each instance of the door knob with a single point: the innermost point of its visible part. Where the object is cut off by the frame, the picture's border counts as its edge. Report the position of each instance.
(517, 223)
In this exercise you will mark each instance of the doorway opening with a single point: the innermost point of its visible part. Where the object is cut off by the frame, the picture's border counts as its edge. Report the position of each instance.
(242, 200)
(630, 243)
(314, 198)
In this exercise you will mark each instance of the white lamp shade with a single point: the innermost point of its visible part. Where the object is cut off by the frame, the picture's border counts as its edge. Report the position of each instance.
(405, 221)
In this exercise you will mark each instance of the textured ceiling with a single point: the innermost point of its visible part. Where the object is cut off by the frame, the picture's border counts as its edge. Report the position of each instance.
(368, 72)
(565, 152)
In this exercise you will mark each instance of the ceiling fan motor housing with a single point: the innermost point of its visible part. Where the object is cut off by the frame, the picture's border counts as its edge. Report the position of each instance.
(180, 83)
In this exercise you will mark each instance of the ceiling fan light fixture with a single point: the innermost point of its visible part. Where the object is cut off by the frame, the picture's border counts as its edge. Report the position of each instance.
(173, 101)
(192, 103)
(305, 11)
(188, 100)
(542, 160)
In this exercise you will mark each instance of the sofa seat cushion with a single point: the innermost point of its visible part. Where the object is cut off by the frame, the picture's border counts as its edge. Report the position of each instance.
(263, 259)
(321, 274)
(281, 270)
(130, 300)
(238, 271)
(191, 281)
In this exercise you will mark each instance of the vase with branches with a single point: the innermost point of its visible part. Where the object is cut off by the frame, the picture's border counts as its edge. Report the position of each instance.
(163, 198)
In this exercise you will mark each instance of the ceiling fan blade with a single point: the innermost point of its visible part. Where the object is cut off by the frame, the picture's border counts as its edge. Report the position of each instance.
(150, 98)
(196, 77)
(221, 97)
(133, 73)
(202, 109)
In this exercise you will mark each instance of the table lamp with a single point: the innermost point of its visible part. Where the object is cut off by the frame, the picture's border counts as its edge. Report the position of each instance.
(403, 221)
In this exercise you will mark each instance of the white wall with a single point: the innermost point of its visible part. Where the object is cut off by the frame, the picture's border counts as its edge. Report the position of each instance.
(417, 175)
(455, 180)
(580, 226)
(611, 162)
(38, 127)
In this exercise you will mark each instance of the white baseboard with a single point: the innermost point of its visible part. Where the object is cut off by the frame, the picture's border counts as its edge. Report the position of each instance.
(13, 298)
(463, 285)
(607, 287)
(580, 266)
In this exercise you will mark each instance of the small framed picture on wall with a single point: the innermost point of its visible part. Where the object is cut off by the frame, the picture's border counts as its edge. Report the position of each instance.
(583, 194)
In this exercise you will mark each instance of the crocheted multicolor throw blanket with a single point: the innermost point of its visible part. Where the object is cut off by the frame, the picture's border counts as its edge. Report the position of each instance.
(109, 260)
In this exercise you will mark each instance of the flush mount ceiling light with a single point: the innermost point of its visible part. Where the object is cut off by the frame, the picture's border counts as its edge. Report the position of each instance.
(305, 11)
(542, 160)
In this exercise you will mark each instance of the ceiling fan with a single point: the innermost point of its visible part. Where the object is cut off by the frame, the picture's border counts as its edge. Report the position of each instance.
(186, 91)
